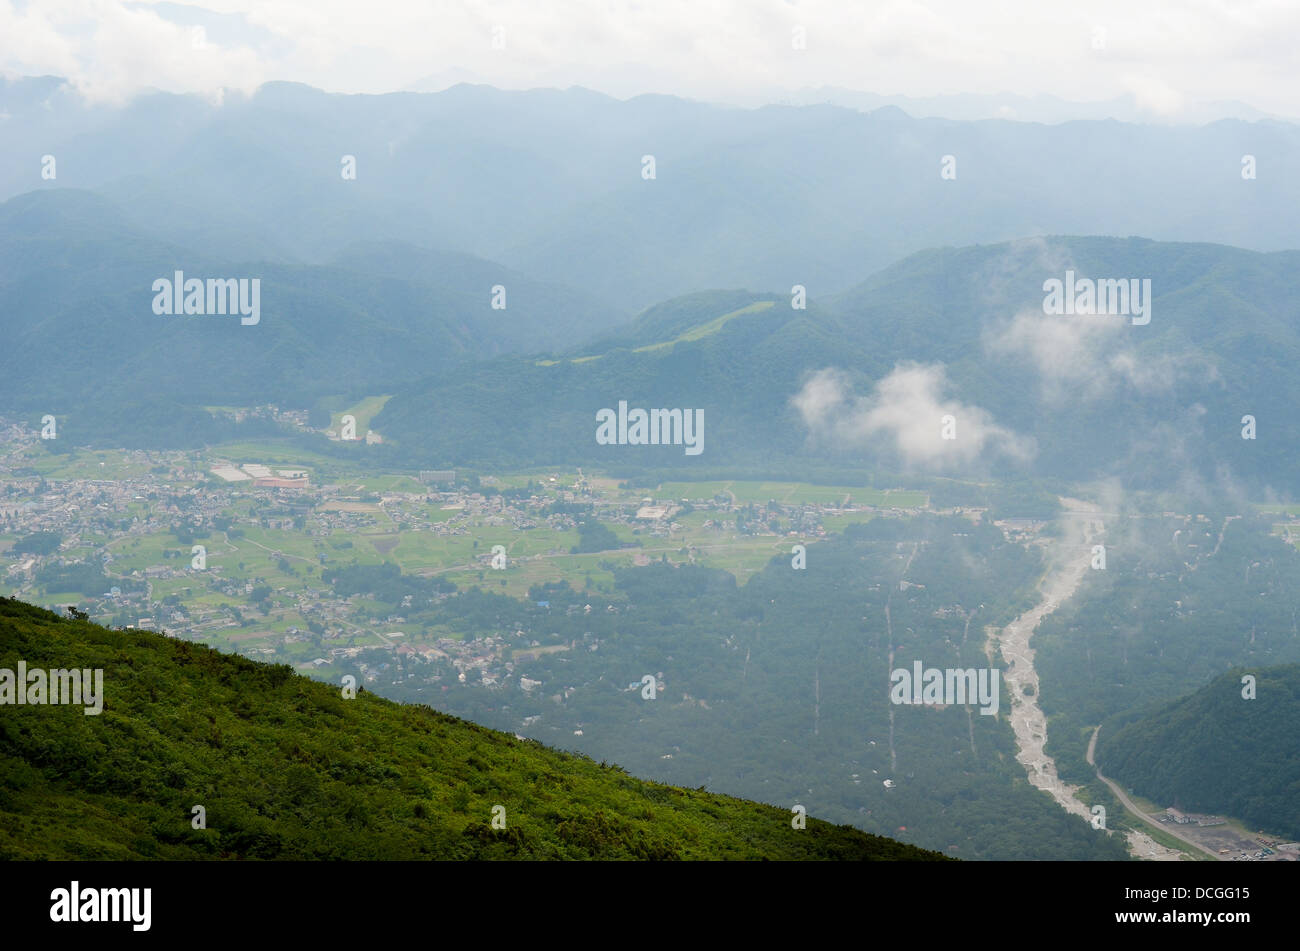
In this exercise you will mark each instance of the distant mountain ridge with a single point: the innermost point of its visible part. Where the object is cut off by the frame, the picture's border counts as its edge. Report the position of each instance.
(1049, 109)
(862, 378)
(553, 183)
(76, 295)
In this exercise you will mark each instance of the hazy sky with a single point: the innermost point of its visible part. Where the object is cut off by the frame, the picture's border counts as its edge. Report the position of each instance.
(1164, 52)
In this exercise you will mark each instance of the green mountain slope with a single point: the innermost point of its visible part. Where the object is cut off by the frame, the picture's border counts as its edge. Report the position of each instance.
(954, 329)
(736, 355)
(669, 320)
(76, 304)
(287, 768)
(778, 689)
(1149, 630)
(1216, 752)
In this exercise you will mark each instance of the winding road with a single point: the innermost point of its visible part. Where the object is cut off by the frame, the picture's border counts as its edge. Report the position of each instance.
(1132, 807)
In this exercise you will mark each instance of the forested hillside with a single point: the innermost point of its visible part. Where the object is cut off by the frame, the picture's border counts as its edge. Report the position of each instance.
(286, 768)
(76, 295)
(777, 689)
(1216, 751)
(1174, 609)
(869, 374)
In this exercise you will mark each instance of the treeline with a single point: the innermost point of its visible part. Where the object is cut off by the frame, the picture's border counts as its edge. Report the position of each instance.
(82, 577)
(594, 535)
(38, 543)
(384, 582)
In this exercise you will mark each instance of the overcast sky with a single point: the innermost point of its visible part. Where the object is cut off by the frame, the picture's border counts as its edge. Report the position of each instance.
(1166, 53)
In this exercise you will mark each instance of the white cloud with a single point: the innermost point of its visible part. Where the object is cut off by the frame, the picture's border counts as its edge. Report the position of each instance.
(904, 414)
(1153, 95)
(1089, 357)
(1163, 52)
(111, 50)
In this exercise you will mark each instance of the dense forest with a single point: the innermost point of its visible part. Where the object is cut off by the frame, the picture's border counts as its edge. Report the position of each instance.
(385, 582)
(1174, 609)
(777, 690)
(288, 768)
(1215, 343)
(743, 358)
(1228, 749)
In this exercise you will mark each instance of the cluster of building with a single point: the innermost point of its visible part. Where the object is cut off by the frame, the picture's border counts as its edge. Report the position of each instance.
(262, 477)
(1190, 818)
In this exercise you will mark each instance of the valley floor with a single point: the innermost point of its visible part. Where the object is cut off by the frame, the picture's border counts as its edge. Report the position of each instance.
(1071, 561)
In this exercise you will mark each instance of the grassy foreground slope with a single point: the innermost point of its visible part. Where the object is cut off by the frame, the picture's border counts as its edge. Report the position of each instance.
(287, 768)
